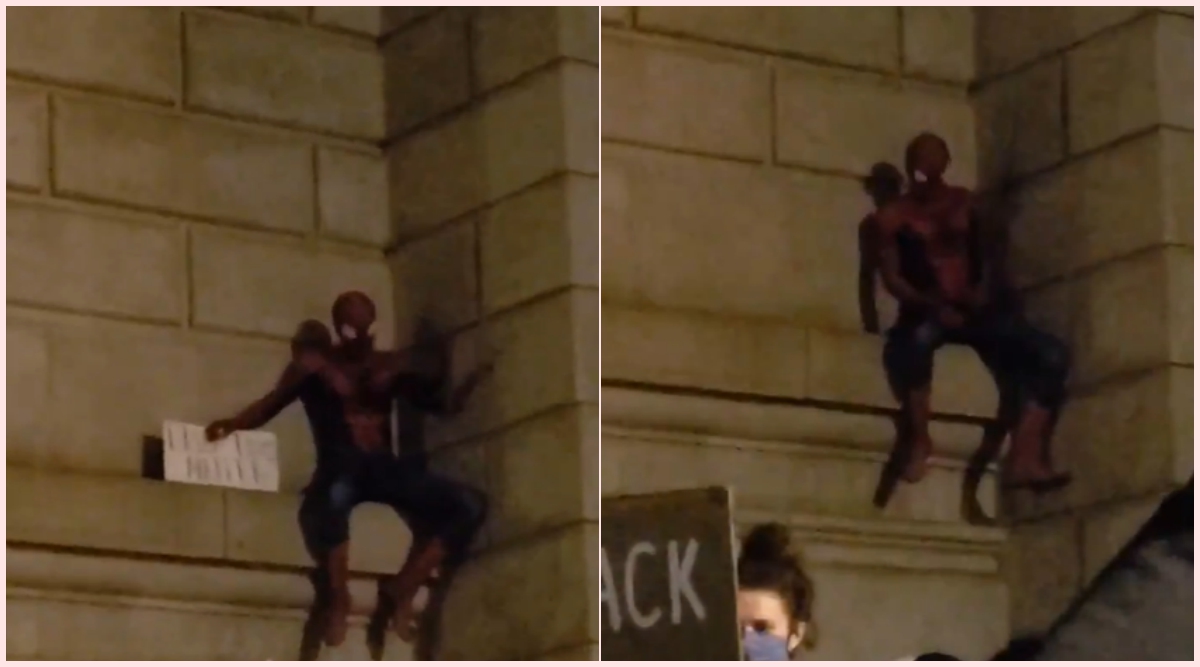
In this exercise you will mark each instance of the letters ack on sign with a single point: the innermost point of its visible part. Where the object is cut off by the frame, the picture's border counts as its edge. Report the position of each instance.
(668, 577)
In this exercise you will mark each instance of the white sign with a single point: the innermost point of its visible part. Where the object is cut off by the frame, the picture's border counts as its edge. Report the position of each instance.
(243, 460)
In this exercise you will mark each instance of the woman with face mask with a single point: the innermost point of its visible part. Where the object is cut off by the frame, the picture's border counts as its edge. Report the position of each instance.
(775, 596)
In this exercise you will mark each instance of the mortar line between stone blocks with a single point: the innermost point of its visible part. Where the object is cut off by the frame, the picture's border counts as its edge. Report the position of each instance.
(1088, 270)
(359, 41)
(37, 306)
(48, 170)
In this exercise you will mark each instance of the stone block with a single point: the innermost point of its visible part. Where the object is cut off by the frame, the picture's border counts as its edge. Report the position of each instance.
(511, 41)
(783, 479)
(1178, 171)
(585, 652)
(845, 35)
(435, 50)
(686, 99)
(252, 284)
(493, 151)
(1009, 37)
(123, 514)
(1044, 560)
(1123, 441)
(526, 600)
(470, 463)
(28, 379)
(1128, 80)
(1116, 202)
(27, 145)
(939, 42)
(262, 528)
(70, 259)
(616, 15)
(1125, 316)
(540, 240)
(545, 357)
(544, 473)
(848, 368)
(243, 69)
(352, 196)
(362, 20)
(1107, 530)
(63, 628)
(676, 236)
(117, 154)
(436, 277)
(842, 121)
(131, 50)
(1020, 121)
(959, 613)
(396, 18)
(288, 14)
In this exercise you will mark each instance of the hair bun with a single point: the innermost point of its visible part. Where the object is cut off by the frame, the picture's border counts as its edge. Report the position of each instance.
(767, 542)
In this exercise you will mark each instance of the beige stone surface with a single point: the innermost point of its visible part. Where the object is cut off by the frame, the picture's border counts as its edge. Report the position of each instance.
(786, 478)
(94, 262)
(352, 196)
(545, 578)
(544, 473)
(50, 628)
(894, 614)
(1020, 121)
(131, 50)
(1107, 530)
(367, 21)
(1044, 565)
(541, 239)
(493, 151)
(685, 98)
(129, 515)
(396, 18)
(617, 15)
(843, 121)
(27, 146)
(282, 75)
(262, 528)
(435, 50)
(436, 277)
(512, 41)
(27, 374)
(1129, 80)
(1128, 315)
(193, 167)
(254, 284)
(939, 42)
(1013, 36)
(289, 14)
(1121, 200)
(552, 339)
(846, 35)
(585, 652)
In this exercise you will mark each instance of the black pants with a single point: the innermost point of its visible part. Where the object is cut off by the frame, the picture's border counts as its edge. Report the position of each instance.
(433, 506)
(1028, 363)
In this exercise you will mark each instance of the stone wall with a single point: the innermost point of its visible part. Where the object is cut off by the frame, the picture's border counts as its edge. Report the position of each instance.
(733, 141)
(494, 183)
(1094, 106)
(185, 185)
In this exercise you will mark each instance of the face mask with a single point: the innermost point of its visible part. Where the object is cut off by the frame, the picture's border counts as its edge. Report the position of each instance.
(763, 646)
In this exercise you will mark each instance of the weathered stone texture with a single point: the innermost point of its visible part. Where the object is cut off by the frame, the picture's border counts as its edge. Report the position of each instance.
(1020, 121)
(435, 50)
(511, 41)
(436, 277)
(1046, 559)
(861, 36)
(939, 42)
(122, 155)
(352, 196)
(1129, 80)
(1013, 36)
(132, 50)
(846, 122)
(617, 15)
(539, 240)
(27, 145)
(367, 21)
(94, 262)
(250, 284)
(289, 14)
(241, 68)
(685, 99)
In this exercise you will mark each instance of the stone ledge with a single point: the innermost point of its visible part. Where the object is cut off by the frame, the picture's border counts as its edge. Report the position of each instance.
(774, 359)
(146, 517)
(832, 481)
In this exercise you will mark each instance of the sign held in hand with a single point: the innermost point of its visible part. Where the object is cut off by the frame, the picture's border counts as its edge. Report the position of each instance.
(668, 586)
(243, 460)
